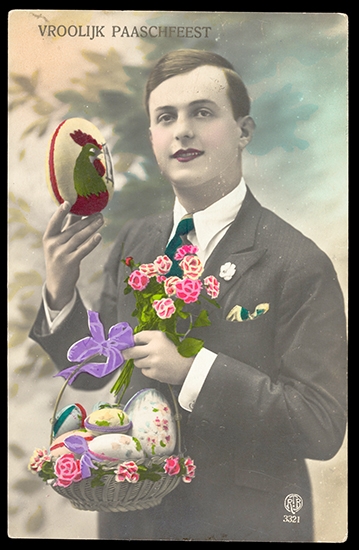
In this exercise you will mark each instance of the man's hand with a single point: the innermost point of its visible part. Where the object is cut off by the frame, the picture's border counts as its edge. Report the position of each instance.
(67, 240)
(158, 358)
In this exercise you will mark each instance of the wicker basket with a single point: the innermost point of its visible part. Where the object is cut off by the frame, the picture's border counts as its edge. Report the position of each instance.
(113, 496)
(117, 497)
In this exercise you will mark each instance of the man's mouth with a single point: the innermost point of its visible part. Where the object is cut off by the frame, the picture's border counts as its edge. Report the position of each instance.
(185, 155)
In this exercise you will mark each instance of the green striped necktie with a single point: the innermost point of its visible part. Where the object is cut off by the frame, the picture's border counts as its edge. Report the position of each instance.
(183, 228)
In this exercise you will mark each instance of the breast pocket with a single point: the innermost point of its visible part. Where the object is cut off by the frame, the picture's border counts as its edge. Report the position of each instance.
(256, 325)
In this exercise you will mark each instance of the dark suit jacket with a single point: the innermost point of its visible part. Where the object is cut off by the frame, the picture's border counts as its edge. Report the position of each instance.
(276, 394)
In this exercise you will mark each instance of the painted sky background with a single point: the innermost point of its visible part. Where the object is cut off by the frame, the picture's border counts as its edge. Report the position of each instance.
(295, 68)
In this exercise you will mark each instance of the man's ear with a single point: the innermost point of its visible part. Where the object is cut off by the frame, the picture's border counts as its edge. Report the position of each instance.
(246, 126)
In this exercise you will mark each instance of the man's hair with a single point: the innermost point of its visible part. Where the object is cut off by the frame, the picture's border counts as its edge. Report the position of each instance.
(183, 61)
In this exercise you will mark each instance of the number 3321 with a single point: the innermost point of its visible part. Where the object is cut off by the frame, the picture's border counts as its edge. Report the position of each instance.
(291, 519)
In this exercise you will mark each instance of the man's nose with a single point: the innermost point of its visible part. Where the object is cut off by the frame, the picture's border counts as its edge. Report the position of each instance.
(183, 129)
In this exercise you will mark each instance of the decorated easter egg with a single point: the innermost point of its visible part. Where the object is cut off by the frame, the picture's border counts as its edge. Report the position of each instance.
(107, 420)
(79, 167)
(58, 447)
(153, 424)
(69, 418)
(116, 447)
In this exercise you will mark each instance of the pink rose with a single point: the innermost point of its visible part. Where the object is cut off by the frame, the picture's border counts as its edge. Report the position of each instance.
(189, 463)
(190, 468)
(184, 250)
(138, 280)
(192, 267)
(164, 308)
(212, 286)
(162, 264)
(39, 457)
(170, 285)
(188, 290)
(127, 472)
(67, 470)
(148, 269)
(172, 466)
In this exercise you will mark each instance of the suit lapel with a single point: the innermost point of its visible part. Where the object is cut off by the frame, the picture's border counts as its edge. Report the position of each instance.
(236, 247)
(155, 241)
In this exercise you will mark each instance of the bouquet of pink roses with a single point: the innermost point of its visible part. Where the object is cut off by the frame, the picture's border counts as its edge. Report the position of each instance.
(161, 300)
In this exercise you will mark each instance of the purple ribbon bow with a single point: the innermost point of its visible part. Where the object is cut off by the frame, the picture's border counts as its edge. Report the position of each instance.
(78, 445)
(120, 337)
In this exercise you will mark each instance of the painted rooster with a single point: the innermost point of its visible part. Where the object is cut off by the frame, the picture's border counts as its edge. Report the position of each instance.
(92, 193)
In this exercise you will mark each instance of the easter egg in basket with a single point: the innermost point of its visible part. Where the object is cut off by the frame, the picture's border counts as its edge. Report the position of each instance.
(107, 420)
(79, 167)
(115, 447)
(69, 418)
(58, 447)
(153, 423)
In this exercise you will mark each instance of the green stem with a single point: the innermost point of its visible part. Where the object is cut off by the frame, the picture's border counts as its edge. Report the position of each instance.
(123, 380)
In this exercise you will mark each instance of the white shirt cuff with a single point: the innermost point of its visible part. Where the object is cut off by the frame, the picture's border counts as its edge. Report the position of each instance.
(55, 317)
(195, 378)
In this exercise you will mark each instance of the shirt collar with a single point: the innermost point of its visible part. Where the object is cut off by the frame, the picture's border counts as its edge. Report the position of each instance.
(215, 218)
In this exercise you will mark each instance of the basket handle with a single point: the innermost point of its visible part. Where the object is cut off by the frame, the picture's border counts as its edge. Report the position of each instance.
(177, 415)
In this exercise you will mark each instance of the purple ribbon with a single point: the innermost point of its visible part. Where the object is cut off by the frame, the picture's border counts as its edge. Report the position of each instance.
(78, 445)
(120, 337)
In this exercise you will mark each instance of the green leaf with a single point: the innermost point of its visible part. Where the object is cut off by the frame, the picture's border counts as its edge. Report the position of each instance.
(173, 337)
(202, 319)
(211, 301)
(121, 417)
(27, 84)
(70, 96)
(137, 443)
(102, 423)
(151, 476)
(190, 347)
(97, 482)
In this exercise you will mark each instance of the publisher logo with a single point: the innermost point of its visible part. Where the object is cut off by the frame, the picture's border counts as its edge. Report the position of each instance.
(293, 503)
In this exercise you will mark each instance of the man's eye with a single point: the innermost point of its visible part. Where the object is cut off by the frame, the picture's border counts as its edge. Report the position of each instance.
(165, 117)
(203, 113)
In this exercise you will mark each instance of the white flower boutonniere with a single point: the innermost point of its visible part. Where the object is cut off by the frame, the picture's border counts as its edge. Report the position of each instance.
(227, 271)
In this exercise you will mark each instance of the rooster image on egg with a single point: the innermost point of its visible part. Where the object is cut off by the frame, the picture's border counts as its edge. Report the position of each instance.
(153, 424)
(79, 167)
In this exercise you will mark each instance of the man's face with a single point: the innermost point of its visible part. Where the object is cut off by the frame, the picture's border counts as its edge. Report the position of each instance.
(195, 138)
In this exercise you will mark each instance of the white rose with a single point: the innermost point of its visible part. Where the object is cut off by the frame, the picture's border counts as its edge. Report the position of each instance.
(227, 271)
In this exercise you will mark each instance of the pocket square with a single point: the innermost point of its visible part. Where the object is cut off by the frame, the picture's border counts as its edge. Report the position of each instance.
(239, 313)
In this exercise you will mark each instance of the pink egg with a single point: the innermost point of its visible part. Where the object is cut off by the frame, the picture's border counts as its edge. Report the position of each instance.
(58, 448)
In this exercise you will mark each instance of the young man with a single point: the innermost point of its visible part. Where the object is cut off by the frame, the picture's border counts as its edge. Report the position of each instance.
(264, 394)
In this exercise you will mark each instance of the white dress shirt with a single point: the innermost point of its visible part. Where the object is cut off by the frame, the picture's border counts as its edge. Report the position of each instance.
(210, 226)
